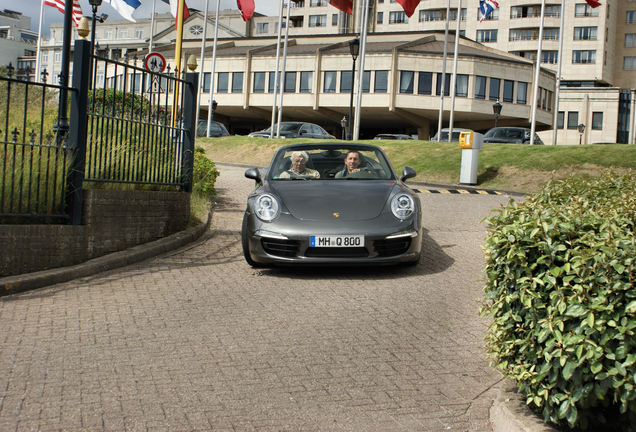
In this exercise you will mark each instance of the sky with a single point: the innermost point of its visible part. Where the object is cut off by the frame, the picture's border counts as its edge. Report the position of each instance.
(31, 8)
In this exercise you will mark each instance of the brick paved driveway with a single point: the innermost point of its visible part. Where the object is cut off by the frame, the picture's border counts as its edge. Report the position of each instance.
(196, 340)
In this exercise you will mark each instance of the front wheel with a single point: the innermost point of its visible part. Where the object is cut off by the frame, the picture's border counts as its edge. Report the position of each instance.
(246, 245)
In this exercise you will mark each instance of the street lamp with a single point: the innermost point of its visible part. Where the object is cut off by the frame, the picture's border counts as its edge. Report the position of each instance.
(354, 48)
(343, 123)
(496, 109)
(581, 129)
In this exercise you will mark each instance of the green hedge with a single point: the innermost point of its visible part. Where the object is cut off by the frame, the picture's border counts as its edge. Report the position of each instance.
(560, 292)
(205, 174)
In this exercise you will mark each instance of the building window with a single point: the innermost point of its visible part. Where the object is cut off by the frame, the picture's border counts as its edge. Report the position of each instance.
(560, 119)
(438, 85)
(123, 34)
(509, 89)
(584, 56)
(585, 33)
(551, 57)
(630, 40)
(597, 121)
(453, 15)
(522, 92)
(314, 3)
(139, 33)
(480, 87)
(630, 17)
(487, 35)
(406, 82)
(495, 84)
(221, 86)
(345, 81)
(196, 29)
(550, 34)
(380, 17)
(430, 15)
(334, 19)
(108, 34)
(573, 119)
(206, 82)
(397, 17)
(425, 83)
(270, 82)
(329, 85)
(237, 82)
(381, 80)
(629, 63)
(58, 57)
(317, 20)
(290, 82)
(305, 81)
(366, 81)
(584, 10)
(262, 28)
(259, 82)
(461, 85)
(45, 57)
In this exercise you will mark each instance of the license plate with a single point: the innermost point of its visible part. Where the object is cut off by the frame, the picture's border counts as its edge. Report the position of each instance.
(337, 241)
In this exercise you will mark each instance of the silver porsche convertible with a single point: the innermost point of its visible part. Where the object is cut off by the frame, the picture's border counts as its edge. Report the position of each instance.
(331, 203)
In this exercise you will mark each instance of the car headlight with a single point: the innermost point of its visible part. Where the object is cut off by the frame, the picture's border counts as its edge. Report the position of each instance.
(402, 206)
(266, 207)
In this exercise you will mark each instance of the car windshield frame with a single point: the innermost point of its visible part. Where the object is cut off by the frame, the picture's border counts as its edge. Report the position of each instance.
(328, 160)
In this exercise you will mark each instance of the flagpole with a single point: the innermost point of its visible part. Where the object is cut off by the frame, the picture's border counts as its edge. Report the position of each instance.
(282, 77)
(280, 23)
(37, 57)
(205, 34)
(363, 50)
(443, 89)
(558, 78)
(454, 77)
(177, 59)
(152, 25)
(536, 75)
(216, 38)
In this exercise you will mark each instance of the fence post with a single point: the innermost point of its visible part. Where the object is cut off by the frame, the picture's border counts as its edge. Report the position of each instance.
(78, 131)
(189, 135)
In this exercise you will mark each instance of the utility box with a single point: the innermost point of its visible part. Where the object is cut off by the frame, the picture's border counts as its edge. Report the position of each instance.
(470, 143)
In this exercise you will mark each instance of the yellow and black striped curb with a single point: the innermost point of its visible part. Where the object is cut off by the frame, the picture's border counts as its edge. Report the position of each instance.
(459, 191)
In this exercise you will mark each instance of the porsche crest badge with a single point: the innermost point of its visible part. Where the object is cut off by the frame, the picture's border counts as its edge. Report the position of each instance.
(336, 214)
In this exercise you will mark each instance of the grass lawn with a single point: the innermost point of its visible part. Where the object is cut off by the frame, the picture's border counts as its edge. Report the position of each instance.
(513, 167)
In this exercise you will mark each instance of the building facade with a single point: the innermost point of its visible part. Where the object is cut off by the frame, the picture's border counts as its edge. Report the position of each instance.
(18, 43)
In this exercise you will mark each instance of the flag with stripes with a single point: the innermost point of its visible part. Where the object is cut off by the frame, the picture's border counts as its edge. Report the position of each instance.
(486, 7)
(174, 8)
(125, 7)
(60, 5)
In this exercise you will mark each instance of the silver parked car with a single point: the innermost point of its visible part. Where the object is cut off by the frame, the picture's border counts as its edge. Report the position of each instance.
(518, 135)
(331, 214)
(295, 130)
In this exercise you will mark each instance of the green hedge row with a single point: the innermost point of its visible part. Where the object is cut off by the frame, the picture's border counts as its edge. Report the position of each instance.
(561, 296)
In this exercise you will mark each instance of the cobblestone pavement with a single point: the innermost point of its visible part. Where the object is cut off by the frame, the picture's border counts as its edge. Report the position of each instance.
(196, 340)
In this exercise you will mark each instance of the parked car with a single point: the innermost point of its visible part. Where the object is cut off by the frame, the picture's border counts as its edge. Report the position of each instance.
(296, 130)
(455, 138)
(366, 217)
(393, 137)
(518, 135)
(216, 129)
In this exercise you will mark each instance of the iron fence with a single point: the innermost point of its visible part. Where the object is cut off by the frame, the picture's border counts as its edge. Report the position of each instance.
(35, 162)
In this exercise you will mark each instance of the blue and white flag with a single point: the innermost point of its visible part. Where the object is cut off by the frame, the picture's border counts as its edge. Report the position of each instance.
(486, 7)
(125, 7)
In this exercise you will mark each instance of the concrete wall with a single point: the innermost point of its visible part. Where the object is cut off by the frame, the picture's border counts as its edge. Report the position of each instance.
(113, 221)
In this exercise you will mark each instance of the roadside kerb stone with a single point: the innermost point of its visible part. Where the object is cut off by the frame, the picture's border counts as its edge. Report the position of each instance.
(509, 413)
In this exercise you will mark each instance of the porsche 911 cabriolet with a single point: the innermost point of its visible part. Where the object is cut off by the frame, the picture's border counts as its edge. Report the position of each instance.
(331, 203)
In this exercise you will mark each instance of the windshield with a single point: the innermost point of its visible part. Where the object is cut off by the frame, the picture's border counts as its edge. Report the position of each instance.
(330, 163)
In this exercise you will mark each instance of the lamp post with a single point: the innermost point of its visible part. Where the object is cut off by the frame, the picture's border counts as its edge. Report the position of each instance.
(581, 129)
(496, 109)
(343, 123)
(354, 48)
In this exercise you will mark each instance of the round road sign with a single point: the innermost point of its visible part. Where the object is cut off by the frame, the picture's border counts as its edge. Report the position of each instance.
(155, 62)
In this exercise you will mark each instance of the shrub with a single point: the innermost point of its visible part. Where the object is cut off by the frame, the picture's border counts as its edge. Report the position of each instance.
(205, 174)
(560, 291)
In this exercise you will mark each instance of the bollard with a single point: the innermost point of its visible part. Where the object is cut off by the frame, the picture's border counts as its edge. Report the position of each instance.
(470, 143)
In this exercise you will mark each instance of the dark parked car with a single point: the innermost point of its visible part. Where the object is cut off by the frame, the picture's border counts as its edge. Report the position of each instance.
(393, 137)
(516, 135)
(455, 138)
(216, 129)
(296, 130)
(323, 216)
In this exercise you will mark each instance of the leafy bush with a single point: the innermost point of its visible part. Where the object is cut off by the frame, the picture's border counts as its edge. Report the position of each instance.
(205, 174)
(560, 291)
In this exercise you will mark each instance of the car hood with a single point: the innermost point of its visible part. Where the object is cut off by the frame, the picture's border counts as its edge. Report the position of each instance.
(319, 200)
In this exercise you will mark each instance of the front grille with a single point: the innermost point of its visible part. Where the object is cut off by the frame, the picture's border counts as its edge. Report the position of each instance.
(392, 247)
(284, 248)
(335, 252)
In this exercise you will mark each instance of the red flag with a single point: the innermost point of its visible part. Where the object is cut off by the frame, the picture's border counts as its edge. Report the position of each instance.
(593, 3)
(344, 5)
(247, 9)
(59, 5)
(409, 6)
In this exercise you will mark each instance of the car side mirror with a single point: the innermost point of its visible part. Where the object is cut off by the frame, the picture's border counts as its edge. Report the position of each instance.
(254, 174)
(407, 173)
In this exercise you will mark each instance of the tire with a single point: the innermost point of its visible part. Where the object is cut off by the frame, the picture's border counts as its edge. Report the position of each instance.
(246, 245)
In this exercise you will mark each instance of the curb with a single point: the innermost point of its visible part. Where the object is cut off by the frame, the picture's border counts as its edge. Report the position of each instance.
(29, 281)
(509, 413)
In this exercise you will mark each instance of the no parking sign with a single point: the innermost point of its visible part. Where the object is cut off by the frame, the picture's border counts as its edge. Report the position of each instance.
(155, 62)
